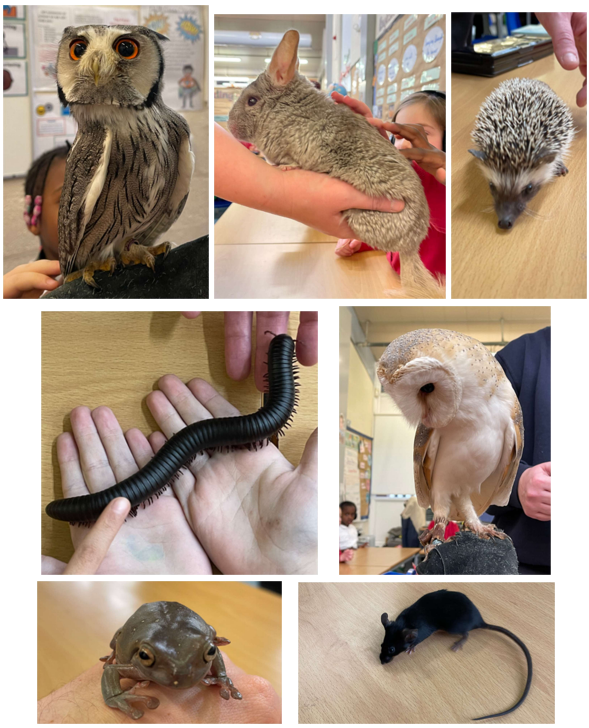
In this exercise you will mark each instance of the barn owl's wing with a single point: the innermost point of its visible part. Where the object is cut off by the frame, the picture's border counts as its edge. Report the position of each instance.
(497, 488)
(85, 174)
(425, 449)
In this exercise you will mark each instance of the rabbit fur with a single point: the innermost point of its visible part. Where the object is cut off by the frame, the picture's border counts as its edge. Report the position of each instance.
(295, 125)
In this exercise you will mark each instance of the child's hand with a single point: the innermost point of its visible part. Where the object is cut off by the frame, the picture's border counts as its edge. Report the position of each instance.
(421, 151)
(31, 279)
(346, 247)
(346, 555)
(359, 107)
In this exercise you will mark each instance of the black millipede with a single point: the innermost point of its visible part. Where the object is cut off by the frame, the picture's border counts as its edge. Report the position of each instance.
(215, 434)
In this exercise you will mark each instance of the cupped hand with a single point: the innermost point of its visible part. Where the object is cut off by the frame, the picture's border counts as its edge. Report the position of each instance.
(253, 512)
(569, 37)
(31, 279)
(95, 456)
(79, 701)
(238, 340)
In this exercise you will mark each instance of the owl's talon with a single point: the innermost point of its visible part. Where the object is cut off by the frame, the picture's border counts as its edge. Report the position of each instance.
(135, 254)
(161, 248)
(485, 531)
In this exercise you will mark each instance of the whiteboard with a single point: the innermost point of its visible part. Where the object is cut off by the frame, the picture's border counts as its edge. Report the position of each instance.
(392, 466)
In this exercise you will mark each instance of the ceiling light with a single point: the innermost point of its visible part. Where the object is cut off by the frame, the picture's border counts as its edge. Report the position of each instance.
(302, 61)
(227, 59)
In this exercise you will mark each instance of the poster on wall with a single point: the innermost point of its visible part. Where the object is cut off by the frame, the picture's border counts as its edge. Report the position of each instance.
(358, 471)
(52, 124)
(14, 40)
(184, 55)
(47, 24)
(15, 12)
(15, 78)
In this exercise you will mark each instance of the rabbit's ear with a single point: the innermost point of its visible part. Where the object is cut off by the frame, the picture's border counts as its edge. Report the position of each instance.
(285, 62)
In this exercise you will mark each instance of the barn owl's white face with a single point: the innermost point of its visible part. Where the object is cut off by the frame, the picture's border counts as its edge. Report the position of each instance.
(425, 390)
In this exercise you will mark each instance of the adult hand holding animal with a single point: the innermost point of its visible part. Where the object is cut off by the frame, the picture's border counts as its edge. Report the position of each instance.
(569, 37)
(428, 157)
(316, 200)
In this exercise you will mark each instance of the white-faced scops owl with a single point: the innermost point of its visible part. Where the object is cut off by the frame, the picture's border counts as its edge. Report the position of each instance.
(128, 172)
(469, 438)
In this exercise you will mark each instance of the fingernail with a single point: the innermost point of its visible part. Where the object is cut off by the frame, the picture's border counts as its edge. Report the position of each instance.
(570, 58)
(121, 505)
(397, 205)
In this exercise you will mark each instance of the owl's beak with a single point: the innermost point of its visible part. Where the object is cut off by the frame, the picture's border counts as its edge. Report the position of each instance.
(96, 70)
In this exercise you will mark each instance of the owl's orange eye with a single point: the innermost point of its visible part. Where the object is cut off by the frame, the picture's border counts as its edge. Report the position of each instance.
(127, 48)
(78, 48)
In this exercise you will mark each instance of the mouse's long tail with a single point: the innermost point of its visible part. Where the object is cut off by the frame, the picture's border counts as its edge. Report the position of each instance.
(529, 661)
(416, 280)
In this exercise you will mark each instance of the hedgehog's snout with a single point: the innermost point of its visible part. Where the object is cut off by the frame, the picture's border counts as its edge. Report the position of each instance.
(507, 212)
(506, 223)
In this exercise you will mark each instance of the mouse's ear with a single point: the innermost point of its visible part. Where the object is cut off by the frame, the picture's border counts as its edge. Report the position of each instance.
(285, 61)
(409, 636)
(384, 618)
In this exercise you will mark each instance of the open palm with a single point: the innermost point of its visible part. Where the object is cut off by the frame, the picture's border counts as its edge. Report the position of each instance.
(253, 512)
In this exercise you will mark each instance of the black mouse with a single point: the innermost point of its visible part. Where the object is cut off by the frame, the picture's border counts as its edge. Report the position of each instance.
(449, 611)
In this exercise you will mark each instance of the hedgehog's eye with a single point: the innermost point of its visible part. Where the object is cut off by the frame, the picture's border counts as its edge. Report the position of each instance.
(528, 189)
(491, 187)
(427, 388)
(252, 101)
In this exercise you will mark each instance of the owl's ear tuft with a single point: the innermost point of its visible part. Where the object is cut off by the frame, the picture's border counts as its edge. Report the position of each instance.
(160, 36)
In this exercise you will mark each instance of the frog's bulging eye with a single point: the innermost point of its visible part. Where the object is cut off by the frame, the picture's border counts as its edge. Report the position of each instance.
(210, 653)
(146, 656)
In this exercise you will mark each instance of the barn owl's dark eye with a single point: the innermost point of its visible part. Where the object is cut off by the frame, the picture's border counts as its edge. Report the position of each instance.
(78, 48)
(427, 388)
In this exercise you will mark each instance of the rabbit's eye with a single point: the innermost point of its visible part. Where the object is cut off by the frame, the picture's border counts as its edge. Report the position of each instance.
(252, 101)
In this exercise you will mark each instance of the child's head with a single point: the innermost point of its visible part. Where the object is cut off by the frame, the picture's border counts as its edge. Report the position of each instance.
(44, 180)
(427, 109)
(348, 511)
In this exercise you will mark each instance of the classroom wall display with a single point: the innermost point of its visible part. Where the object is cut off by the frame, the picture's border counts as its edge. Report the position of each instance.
(15, 78)
(184, 55)
(409, 57)
(358, 470)
(15, 12)
(15, 43)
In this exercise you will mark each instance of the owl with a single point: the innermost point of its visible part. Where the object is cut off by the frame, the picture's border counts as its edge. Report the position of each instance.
(128, 172)
(470, 434)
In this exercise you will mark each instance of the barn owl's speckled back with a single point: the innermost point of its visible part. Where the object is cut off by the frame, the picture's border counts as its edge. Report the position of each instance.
(470, 433)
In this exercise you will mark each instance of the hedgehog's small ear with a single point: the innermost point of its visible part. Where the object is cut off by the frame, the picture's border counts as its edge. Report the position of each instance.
(478, 154)
(544, 156)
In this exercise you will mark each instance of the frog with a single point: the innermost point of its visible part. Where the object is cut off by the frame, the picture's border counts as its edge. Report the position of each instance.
(168, 644)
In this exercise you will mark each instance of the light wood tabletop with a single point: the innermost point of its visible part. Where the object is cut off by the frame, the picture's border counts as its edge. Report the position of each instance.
(76, 621)
(341, 679)
(542, 257)
(371, 556)
(259, 255)
(116, 359)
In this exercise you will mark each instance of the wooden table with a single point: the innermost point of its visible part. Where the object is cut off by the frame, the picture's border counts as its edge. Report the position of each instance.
(116, 359)
(341, 679)
(539, 258)
(76, 621)
(259, 255)
(374, 558)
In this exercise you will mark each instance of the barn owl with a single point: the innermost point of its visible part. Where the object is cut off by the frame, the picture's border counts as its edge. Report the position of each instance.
(128, 173)
(470, 434)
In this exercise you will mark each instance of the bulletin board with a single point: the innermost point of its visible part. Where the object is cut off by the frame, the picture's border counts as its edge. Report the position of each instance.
(410, 56)
(223, 100)
(358, 470)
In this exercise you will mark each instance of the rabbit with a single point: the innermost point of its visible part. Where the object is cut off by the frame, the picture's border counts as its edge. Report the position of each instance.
(296, 126)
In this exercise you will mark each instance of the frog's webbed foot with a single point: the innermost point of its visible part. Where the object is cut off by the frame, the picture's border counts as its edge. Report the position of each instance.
(122, 702)
(228, 689)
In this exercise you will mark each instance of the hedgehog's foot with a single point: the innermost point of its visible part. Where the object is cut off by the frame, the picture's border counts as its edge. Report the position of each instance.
(287, 167)
(483, 530)
(560, 170)
(135, 254)
(88, 272)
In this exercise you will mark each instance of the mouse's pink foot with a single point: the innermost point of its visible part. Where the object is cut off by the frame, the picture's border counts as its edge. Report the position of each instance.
(410, 650)
(483, 530)
(460, 643)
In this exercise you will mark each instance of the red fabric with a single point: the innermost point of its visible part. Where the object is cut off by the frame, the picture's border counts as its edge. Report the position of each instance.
(433, 249)
(451, 529)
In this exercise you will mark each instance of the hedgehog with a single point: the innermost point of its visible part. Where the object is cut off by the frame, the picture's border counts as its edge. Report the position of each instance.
(522, 132)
